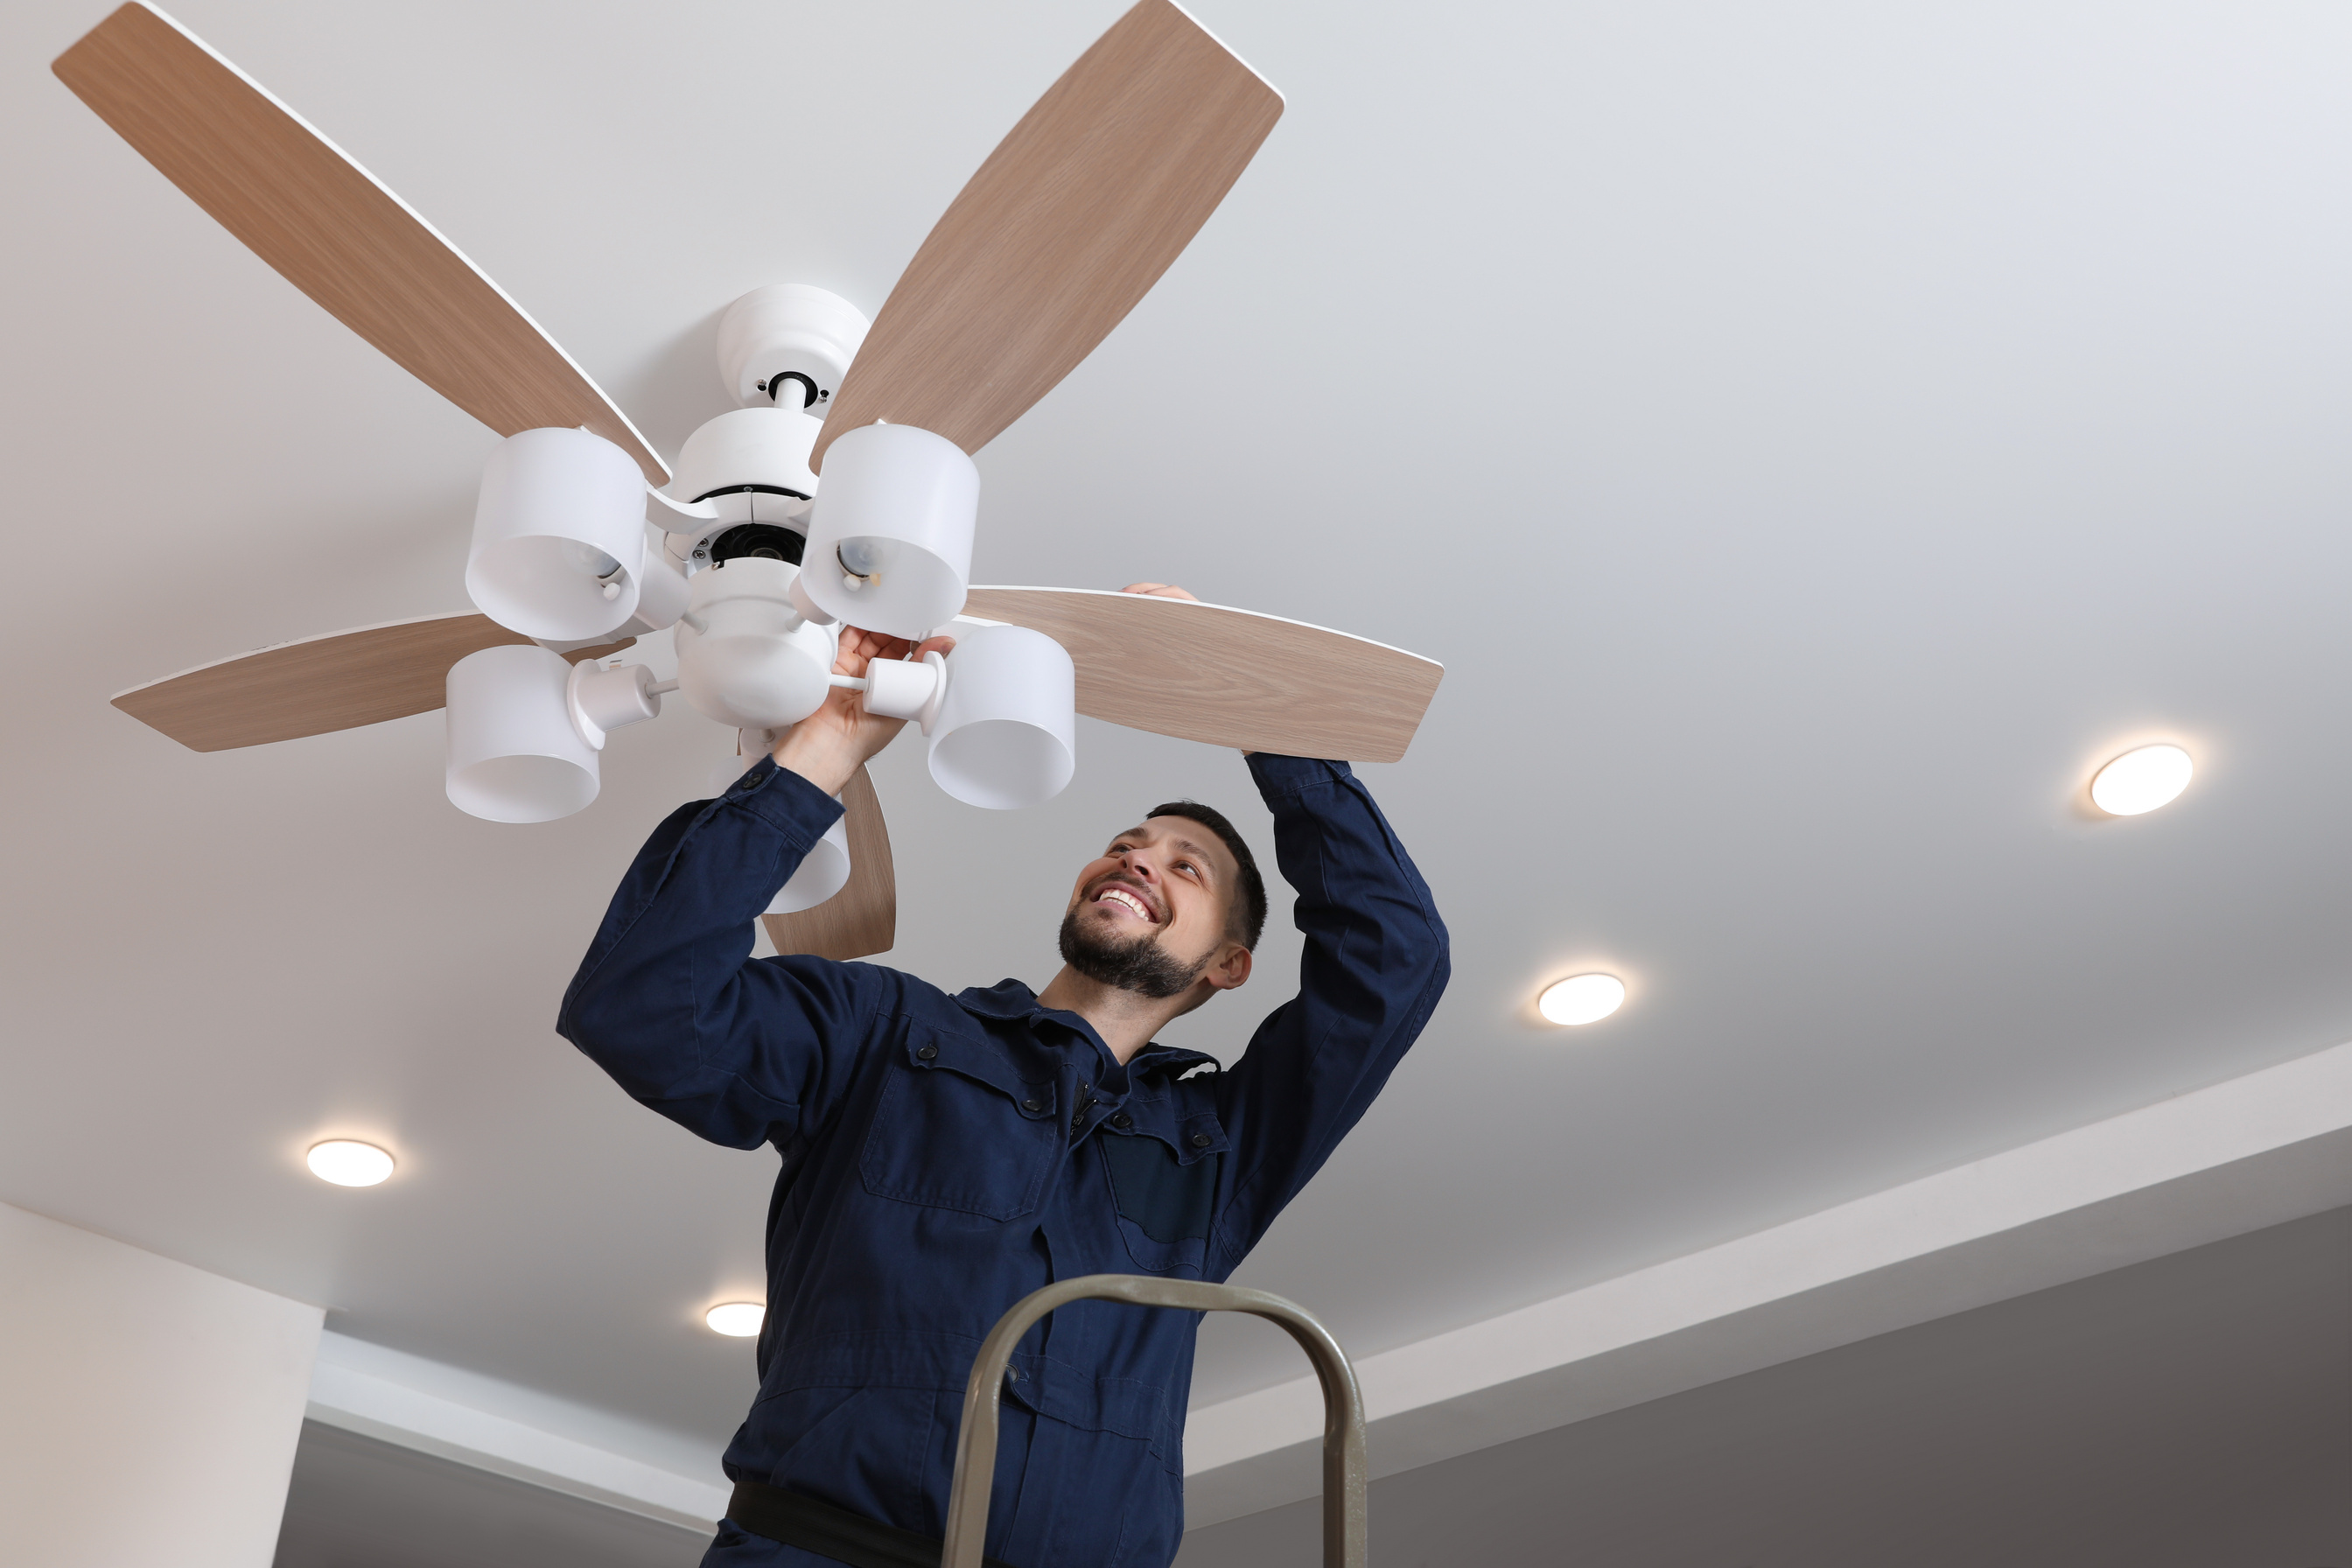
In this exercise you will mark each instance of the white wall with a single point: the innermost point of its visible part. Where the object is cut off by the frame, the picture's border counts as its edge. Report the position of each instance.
(148, 1410)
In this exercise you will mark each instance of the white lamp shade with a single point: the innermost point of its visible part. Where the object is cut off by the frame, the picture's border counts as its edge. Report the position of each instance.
(514, 753)
(896, 505)
(559, 536)
(1007, 731)
(745, 657)
(824, 873)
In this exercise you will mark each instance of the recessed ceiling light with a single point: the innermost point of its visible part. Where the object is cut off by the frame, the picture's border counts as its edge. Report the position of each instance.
(2141, 781)
(348, 1163)
(736, 1320)
(1583, 998)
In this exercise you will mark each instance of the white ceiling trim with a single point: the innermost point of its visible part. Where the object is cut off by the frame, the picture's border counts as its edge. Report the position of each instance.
(492, 1426)
(2252, 1152)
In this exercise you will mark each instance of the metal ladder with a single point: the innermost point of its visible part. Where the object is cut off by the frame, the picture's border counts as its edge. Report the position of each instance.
(1343, 1403)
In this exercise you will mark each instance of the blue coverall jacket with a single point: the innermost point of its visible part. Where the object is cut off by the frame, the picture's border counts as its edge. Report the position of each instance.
(943, 1156)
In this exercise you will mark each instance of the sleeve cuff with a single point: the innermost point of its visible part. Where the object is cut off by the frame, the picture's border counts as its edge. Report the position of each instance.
(784, 801)
(1278, 777)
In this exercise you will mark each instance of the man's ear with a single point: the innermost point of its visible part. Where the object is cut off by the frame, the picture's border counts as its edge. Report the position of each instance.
(1230, 968)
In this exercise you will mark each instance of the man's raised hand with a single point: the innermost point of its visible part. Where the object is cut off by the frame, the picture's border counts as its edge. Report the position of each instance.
(834, 742)
(1161, 591)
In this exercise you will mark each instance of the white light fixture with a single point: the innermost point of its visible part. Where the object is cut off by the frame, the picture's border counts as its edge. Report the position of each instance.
(2142, 780)
(736, 1320)
(1007, 731)
(746, 655)
(349, 1163)
(1581, 998)
(515, 755)
(1001, 712)
(890, 542)
(559, 536)
(524, 726)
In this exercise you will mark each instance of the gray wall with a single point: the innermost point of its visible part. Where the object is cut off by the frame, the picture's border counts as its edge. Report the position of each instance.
(2193, 1411)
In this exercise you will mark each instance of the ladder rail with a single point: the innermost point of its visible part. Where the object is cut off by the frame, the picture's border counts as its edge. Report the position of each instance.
(1343, 1403)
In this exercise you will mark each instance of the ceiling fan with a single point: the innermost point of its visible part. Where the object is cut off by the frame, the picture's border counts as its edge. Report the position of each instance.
(584, 539)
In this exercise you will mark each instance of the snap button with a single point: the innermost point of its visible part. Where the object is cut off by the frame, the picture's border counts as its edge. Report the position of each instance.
(1122, 1120)
(1031, 1105)
(1201, 1140)
(928, 1053)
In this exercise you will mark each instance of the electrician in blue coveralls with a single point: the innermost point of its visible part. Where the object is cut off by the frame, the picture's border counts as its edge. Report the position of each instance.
(946, 1154)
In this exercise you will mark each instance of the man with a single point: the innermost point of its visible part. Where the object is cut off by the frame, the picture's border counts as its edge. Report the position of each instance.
(943, 1156)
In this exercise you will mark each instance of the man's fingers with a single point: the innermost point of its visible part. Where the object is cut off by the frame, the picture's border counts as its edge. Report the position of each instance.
(1158, 590)
(936, 645)
(858, 648)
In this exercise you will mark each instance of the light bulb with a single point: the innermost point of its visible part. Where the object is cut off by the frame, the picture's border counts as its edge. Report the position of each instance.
(349, 1163)
(736, 1320)
(864, 557)
(588, 561)
(2142, 780)
(1581, 998)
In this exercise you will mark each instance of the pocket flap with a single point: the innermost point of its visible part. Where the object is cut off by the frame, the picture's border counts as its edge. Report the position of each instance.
(984, 1061)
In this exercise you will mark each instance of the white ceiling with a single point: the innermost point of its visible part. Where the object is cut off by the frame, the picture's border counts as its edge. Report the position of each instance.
(1812, 437)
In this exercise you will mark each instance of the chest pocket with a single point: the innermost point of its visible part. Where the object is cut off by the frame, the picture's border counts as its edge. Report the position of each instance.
(959, 1127)
(1166, 1203)
(1164, 1199)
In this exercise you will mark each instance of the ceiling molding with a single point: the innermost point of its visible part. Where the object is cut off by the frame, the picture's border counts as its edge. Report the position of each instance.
(453, 1415)
(2241, 1156)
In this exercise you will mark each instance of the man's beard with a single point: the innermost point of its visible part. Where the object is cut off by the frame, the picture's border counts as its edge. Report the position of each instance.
(1140, 965)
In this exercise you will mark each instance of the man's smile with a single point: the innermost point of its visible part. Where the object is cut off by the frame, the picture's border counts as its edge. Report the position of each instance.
(1127, 900)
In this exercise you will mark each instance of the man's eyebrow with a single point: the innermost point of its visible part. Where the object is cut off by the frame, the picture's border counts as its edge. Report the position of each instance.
(1208, 866)
(1198, 853)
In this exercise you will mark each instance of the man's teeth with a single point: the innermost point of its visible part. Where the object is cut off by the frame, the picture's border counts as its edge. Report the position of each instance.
(1130, 900)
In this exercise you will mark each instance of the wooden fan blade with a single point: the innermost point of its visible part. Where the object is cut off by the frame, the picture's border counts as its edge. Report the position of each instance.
(338, 681)
(1227, 677)
(1069, 222)
(863, 918)
(333, 231)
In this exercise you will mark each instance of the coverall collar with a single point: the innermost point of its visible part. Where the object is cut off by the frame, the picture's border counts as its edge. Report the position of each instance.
(1010, 1001)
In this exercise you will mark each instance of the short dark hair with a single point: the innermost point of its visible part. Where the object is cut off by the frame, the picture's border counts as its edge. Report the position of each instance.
(1246, 920)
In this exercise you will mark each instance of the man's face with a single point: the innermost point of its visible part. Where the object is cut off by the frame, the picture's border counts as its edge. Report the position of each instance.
(1152, 913)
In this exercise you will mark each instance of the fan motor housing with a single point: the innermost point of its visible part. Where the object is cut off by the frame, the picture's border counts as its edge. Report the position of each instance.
(752, 466)
(767, 448)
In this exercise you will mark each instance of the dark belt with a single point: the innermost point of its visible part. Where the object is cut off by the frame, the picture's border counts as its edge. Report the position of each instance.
(830, 1532)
